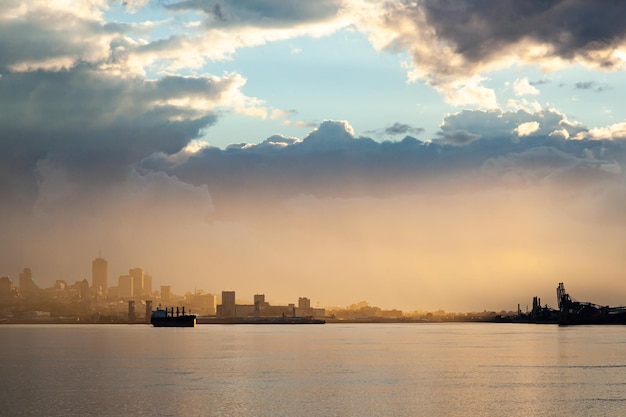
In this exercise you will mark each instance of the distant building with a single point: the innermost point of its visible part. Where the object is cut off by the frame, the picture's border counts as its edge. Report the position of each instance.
(125, 286)
(262, 308)
(6, 286)
(228, 306)
(304, 303)
(27, 284)
(391, 314)
(147, 284)
(83, 289)
(137, 274)
(305, 309)
(148, 310)
(259, 304)
(166, 293)
(202, 304)
(100, 276)
(131, 311)
(113, 292)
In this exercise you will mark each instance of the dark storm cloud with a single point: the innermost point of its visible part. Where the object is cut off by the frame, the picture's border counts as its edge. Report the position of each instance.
(331, 161)
(481, 30)
(453, 42)
(93, 124)
(260, 12)
(51, 37)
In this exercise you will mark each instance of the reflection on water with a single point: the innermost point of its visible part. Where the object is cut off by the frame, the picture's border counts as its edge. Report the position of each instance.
(330, 370)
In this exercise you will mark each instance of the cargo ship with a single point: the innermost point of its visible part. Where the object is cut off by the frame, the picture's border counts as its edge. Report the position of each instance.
(577, 312)
(167, 318)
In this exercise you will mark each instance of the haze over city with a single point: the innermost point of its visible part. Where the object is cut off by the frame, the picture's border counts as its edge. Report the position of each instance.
(458, 155)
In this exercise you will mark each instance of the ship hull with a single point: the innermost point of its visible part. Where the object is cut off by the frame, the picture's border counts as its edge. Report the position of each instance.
(177, 321)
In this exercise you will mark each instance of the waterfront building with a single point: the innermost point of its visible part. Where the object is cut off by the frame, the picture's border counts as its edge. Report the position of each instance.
(259, 304)
(262, 308)
(305, 309)
(304, 303)
(100, 276)
(228, 306)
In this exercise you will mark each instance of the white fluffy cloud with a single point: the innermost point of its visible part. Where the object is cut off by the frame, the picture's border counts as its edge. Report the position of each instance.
(526, 129)
(614, 131)
(522, 87)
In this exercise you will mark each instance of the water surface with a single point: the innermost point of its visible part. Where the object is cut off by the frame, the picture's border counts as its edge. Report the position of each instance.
(313, 370)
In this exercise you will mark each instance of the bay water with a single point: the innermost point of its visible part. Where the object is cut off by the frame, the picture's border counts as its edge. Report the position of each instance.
(430, 369)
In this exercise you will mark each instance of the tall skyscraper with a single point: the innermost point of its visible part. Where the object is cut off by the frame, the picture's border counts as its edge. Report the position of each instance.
(137, 274)
(100, 276)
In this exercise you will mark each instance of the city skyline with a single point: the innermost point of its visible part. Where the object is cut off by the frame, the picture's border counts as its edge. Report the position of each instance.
(133, 286)
(462, 155)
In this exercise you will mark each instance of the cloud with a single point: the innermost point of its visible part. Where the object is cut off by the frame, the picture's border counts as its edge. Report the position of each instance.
(99, 125)
(332, 161)
(614, 131)
(403, 129)
(228, 26)
(589, 85)
(522, 87)
(134, 5)
(494, 125)
(527, 129)
(452, 42)
(457, 137)
(539, 82)
(261, 13)
(74, 93)
(49, 35)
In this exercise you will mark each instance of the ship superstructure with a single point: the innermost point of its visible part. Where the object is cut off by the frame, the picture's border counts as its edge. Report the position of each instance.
(166, 318)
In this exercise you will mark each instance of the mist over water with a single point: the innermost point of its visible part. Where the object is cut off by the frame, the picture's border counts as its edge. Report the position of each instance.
(330, 370)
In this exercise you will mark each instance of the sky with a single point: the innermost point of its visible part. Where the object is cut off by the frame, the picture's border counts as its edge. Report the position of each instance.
(421, 155)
